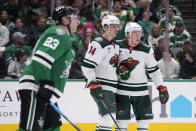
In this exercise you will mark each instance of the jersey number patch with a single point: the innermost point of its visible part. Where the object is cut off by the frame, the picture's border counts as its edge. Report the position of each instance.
(51, 43)
(92, 50)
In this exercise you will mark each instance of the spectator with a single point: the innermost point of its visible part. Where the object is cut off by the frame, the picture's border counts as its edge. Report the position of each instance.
(160, 12)
(158, 51)
(186, 47)
(154, 36)
(30, 20)
(19, 27)
(188, 67)
(123, 15)
(85, 9)
(17, 45)
(14, 9)
(3, 66)
(35, 6)
(4, 35)
(4, 19)
(143, 6)
(100, 9)
(16, 67)
(172, 21)
(37, 32)
(146, 25)
(179, 35)
(88, 30)
(58, 3)
(169, 66)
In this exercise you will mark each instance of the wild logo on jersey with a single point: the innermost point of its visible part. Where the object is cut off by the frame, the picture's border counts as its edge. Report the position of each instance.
(130, 63)
(114, 60)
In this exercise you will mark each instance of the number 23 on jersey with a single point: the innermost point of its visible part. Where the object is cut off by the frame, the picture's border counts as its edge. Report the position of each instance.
(51, 43)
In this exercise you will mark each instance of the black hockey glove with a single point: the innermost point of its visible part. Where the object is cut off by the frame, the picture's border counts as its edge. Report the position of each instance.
(163, 94)
(45, 91)
(95, 89)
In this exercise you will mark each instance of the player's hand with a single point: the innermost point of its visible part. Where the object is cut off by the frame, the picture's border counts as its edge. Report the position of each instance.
(95, 89)
(123, 72)
(163, 94)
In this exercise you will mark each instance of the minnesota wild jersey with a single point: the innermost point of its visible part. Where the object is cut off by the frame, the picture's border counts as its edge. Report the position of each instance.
(139, 60)
(100, 63)
(50, 60)
(178, 40)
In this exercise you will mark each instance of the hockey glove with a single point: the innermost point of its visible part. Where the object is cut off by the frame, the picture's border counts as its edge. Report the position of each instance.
(95, 89)
(163, 94)
(45, 91)
(123, 72)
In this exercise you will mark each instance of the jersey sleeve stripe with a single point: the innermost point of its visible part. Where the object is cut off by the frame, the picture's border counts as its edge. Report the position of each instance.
(27, 77)
(91, 62)
(28, 82)
(151, 68)
(48, 61)
(155, 69)
(87, 65)
(41, 61)
(45, 55)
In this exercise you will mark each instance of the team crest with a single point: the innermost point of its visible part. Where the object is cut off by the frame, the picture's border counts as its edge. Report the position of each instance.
(114, 60)
(130, 63)
(98, 39)
(60, 31)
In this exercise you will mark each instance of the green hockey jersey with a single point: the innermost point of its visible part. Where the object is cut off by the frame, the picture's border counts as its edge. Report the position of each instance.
(50, 60)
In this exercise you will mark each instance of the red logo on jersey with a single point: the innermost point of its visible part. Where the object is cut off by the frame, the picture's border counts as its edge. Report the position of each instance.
(92, 50)
(114, 60)
(130, 63)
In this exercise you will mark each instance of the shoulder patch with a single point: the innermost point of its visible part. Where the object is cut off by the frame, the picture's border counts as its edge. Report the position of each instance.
(99, 39)
(60, 31)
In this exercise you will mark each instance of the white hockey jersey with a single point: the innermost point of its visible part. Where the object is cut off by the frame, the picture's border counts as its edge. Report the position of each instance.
(141, 60)
(100, 63)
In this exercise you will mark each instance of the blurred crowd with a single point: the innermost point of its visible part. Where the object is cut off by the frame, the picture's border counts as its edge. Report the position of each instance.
(22, 22)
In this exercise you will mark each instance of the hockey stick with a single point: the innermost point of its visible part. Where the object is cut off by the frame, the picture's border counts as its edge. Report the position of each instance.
(61, 113)
(105, 106)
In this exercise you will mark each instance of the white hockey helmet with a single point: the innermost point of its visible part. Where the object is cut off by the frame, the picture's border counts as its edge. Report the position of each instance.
(110, 19)
(132, 26)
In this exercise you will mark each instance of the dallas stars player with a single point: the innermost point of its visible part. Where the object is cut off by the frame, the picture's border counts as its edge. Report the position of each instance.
(99, 67)
(134, 60)
(46, 72)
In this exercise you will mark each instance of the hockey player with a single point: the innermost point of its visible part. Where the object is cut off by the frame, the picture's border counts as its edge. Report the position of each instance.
(134, 60)
(99, 67)
(46, 72)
